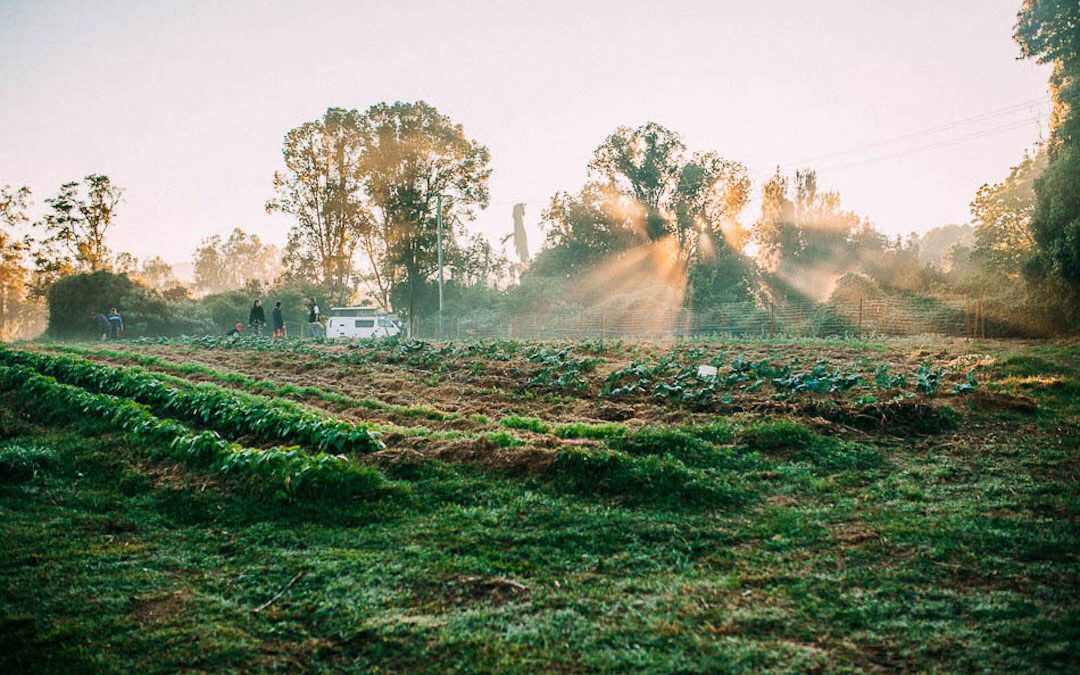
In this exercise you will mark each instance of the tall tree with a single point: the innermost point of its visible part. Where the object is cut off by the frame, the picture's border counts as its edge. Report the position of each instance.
(1002, 213)
(322, 189)
(225, 265)
(775, 230)
(75, 226)
(1049, 32)
(14, 304)
(710, 194)
(646, 164)
(156, 273)
(411, 155)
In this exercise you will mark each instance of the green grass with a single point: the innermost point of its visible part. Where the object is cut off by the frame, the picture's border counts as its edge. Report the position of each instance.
(737, 544)
(525, 423)
(597, 431)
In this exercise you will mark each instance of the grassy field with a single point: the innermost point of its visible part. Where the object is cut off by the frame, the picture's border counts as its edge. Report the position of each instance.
(502, 506)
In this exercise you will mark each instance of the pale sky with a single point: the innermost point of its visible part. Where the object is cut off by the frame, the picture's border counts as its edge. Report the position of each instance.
(185, 104)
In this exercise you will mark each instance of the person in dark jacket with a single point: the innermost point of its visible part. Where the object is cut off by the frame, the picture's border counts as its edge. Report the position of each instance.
(103, 328)
(314, 319)
(116, 324)
(257, 318)
(279, 320)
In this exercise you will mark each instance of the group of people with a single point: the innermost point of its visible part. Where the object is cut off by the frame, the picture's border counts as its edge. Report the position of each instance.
(111, 326)
(257, 320)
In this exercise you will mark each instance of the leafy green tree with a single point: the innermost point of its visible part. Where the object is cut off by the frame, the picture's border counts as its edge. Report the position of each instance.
(1002, 214)
(585, 228)
(74, 228)
(17, 310)
(646, 164)
(711, 193)
(231, 264)
(1049, 32)
(775, 231)
(410, 155)
(322, 188)
(156, 273)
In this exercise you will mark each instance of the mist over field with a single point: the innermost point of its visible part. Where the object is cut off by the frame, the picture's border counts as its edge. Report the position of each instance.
(616, 336)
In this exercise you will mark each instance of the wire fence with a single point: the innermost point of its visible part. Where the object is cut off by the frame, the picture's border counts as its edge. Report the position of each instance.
(974, 318)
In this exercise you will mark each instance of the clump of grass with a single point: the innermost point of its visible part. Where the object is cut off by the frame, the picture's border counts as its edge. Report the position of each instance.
(597, 431)
(717, 431)
(643, 480)
(1026, 365)
(525, 423)
(20, 462)
(481, 420)
(655, 440)
(504, 439)
(801, 444)
(777, 435)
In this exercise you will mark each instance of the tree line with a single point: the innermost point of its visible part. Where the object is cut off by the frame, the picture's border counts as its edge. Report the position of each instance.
(361, 189)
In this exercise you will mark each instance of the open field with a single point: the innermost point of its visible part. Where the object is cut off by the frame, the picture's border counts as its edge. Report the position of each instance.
(488, 506)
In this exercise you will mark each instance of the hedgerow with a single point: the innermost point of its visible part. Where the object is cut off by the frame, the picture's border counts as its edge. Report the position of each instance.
(289, 470)
(208, 405)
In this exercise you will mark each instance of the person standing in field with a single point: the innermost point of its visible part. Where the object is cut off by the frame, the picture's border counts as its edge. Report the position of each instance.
(103, 329)
(256, 318)
(279, 320)
(116, 324)
(314, 319)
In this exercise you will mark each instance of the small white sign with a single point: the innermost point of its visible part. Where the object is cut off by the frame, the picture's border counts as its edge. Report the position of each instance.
(706, 372)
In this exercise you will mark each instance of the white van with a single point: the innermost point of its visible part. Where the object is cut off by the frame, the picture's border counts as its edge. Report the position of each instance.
(361, 322)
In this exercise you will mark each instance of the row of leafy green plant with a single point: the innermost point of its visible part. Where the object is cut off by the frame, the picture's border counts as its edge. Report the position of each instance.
(227, 412)
(290, 471)
(255, 386)
(673, 379)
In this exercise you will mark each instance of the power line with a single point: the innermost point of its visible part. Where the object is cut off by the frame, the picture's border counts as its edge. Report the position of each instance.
(937, 144)
(973, 119)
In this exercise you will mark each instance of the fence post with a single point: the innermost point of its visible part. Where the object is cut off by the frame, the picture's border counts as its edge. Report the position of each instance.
(772, 319)
(721, 319)
(603, 324)
(860, 315)
(798, 326)
(982, 317)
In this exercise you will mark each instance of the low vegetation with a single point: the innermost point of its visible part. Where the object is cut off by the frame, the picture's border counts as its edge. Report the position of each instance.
(881, 525)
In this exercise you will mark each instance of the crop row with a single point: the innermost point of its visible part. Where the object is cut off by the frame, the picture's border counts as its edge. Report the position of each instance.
(256, 386)
(224, 411)
(290, 470)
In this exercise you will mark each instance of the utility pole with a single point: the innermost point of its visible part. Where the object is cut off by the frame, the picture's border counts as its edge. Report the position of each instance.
(438, 225)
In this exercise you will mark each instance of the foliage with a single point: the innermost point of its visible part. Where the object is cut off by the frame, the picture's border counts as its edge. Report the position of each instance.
(73, 230)
(19, 311)
(235, 262)
(210, 406)
(320, 188)
(1049, 32)
(412, 154)
(21, 462)
(74, 301)
(290, 470)
(525, 423)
